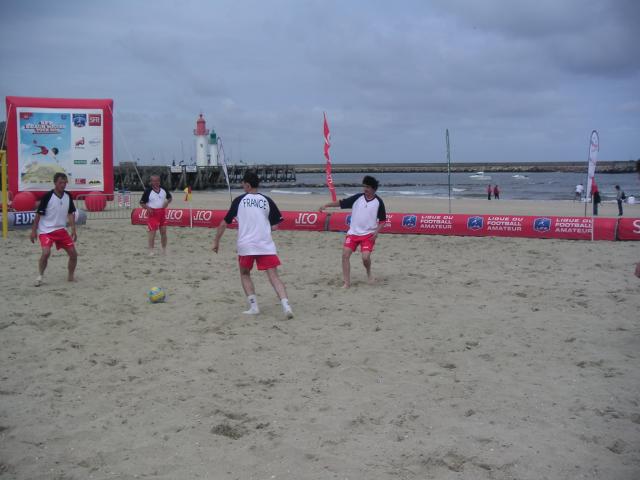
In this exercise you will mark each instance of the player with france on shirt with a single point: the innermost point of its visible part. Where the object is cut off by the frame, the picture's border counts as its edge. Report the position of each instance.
(257, 216)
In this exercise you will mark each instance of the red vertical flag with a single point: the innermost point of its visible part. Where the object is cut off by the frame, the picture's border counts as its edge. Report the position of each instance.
(327, 145)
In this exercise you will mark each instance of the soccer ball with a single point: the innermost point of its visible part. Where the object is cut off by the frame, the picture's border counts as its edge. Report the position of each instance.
(156, 295)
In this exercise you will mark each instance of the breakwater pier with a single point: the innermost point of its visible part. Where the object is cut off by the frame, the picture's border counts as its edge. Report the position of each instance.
(133, 177)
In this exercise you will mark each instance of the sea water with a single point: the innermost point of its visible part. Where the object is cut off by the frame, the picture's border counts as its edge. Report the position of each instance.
(513, 186)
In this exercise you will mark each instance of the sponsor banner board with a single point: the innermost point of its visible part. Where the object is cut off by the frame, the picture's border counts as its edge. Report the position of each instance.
(310, 221)
(182, 217)
(51, 135)
(529, 226)
(629, 229)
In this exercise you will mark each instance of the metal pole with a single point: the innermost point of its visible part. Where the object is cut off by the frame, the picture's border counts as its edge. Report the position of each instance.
(5, 195)
(448, 167)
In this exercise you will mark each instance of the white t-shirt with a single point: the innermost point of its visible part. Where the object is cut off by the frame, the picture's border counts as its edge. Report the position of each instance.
(579, 189)
(365, 214)
(155, 199)
(53, 211)
(256, 213)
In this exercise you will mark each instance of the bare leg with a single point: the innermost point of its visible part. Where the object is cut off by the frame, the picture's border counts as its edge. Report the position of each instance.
(346, 267)
(151, 240)
(73, 261)
(163, 239)
(42, 264)
(278, 286)
(249, 290)
(247, 283)
(366, 261)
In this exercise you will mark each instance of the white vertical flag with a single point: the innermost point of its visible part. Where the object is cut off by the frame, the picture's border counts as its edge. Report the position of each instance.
(223, 162)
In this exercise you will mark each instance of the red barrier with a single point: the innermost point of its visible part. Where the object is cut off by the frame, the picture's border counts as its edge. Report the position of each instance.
(309, 221)
(182, 217)
(629, 229)
(574, 228)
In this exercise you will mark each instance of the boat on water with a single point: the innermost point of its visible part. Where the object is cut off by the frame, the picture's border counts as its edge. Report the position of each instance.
(480, 176)
(517, 175)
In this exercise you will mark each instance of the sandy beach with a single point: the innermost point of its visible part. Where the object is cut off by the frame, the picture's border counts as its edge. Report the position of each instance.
(470, 358)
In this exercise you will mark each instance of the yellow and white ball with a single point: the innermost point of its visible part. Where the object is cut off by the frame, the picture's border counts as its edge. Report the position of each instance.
(157, 295)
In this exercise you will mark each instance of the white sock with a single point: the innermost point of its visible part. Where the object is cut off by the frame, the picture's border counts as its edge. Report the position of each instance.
(285, 304)
(286, 308)
(253, 304)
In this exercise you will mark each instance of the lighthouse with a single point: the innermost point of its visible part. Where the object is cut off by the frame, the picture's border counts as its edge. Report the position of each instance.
(213, 149)
(202, 142)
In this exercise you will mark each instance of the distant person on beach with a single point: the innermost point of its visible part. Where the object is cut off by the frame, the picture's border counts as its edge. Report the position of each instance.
(155, 200)
(257, 216)
(489, 190)
(496, 192)
(595, 195)
(579, 192)
(55, 210)
(620, 197)
(367, 218)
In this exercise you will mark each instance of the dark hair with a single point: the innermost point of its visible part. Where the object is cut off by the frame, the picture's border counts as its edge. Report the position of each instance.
(59, 175)
(370, 181)
(251, 178)
(55, 150)
(617, 187)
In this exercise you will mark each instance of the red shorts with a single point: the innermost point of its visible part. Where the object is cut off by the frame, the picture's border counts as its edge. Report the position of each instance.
(61, 238)
(157, 218)
(366, 242)
(263, 262)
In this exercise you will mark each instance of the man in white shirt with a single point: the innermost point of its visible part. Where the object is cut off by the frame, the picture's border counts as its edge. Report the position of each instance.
(579, 192)
(55, 210)
(257, 216)
(367, 218)
(155, 200)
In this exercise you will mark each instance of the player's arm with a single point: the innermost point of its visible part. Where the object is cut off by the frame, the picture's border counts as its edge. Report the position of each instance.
(328, 205)
(145, 199)
(167, 200)
(34, 228)
(275, 216)
(219, 232)
(228, 218)
(41, 210)
(344, 203)
(382, 217)
(71, 220)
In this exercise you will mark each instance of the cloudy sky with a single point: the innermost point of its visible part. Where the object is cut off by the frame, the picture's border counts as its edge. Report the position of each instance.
(512, 80)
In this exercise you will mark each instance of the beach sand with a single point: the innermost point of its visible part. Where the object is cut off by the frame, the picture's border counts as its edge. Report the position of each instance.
(471, 358)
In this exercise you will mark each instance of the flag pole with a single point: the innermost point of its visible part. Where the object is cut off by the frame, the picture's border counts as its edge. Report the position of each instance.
(327, 145)
(5, 196)
(594, 148)
(223, 162)
(449, 167)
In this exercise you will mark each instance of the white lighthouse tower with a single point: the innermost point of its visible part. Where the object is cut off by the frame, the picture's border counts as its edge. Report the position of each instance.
(202, 142)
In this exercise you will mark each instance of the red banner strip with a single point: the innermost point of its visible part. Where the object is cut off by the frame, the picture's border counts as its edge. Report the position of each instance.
(529, 226)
